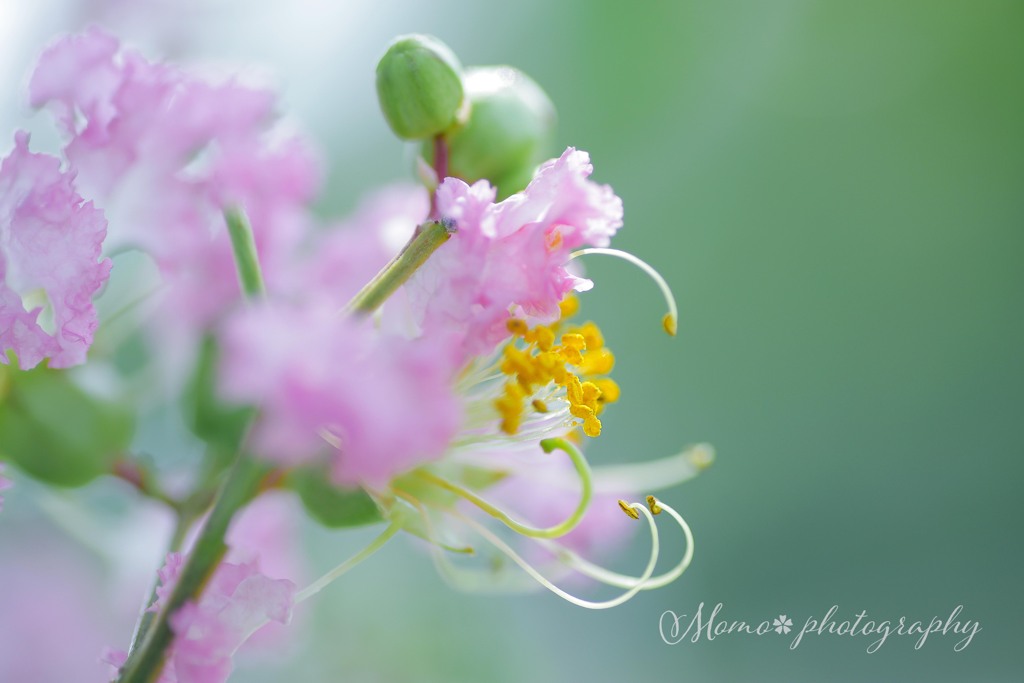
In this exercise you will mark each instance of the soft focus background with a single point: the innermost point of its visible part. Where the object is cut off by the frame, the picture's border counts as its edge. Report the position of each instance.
(833, 189)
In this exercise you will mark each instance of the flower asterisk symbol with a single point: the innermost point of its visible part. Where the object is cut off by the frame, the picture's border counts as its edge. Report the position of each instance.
(782, 624)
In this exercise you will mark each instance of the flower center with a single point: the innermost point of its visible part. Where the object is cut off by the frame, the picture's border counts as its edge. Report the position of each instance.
(546, 356)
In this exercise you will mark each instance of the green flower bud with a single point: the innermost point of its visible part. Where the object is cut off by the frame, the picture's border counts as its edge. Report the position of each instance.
(509, 130)
(419, 86)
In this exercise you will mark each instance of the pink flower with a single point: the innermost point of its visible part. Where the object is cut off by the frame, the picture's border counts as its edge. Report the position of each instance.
(50, 242)
(55, 611)
(238, 600)
(329, 386)
(164, 153)
(341, 260)
(511, 256)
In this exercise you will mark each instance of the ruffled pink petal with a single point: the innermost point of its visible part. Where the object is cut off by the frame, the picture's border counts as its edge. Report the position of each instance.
(510, 257)
(164, 153)
(387, 400)
(50, 242)
(238, 600)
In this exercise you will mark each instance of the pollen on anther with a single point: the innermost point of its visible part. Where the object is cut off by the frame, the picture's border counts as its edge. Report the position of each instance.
(669, 323)
(517, 326)
(540, 406)
(568, 306)
(628, 509)
(652, 503)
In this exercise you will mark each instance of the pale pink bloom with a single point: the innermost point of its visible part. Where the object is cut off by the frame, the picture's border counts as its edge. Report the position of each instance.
(5, 484)
(50, 242)
(164, 153)
(510, 257)
(237, 601)
(340, 260)
(331, 387)
(55, 610)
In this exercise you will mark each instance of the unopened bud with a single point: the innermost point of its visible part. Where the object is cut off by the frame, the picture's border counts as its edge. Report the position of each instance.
(419, 86)
(510, 124)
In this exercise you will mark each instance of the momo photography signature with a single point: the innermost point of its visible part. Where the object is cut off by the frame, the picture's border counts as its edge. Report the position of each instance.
(708, 624)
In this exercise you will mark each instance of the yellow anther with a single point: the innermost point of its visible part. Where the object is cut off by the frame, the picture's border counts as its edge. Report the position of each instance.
(599, 362)
(542, 362)
(510, 424)
(574, 390)
(572, 356)
(652, 503)
(609, 390)
(581, 411)
(628, 509)
(517, 326)
(569, 305)
(669, 323)
(545, 338)
(592, 336)
(574, 341)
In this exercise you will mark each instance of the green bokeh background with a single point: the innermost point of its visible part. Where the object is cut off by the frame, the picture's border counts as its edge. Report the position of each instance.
(834, 191)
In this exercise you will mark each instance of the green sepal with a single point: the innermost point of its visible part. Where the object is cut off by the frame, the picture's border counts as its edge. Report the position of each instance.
(56, 432)
(330, 505)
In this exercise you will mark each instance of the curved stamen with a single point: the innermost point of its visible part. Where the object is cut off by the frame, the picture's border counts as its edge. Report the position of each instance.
(654, 475)
(542, 580)
(455, 576)
(328, 578)
(582, 468)
(670, 320)
(377, 543)
(603, 575)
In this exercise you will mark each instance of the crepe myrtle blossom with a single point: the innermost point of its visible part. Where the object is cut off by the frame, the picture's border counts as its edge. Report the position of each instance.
(492, 363)
(50, 264)
(164, 152)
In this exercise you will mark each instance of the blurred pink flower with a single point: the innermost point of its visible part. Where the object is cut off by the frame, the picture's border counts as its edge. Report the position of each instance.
(511, 256)
(164, 152)
(378, 404)
(340, 260)
(50, 242)
(55, 610)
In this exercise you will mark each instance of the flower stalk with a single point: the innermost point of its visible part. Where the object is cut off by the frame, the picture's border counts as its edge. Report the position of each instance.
(250, 276)
(431, 236)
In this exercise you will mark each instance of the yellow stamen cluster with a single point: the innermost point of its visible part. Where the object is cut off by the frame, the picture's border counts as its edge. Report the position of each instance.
(552, 355)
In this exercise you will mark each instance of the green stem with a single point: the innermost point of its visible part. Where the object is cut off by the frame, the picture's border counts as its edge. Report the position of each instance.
(146, 662)
(246, 259)
(240, 485)
(181, 527)
(394, 274)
